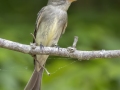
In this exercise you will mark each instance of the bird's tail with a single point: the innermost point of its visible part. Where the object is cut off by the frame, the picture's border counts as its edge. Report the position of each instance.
(35, 80)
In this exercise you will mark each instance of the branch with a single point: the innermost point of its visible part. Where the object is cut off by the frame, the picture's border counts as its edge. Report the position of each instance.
(70, 52)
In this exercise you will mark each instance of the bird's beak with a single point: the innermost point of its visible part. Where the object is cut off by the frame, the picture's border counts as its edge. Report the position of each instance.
(72, 0)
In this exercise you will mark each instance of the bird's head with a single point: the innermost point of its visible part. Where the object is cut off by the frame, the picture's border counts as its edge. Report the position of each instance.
(63, 4)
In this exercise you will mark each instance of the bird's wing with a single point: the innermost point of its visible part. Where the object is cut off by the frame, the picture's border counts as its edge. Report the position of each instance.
(64, 27)
(65, 24)
(39, 15)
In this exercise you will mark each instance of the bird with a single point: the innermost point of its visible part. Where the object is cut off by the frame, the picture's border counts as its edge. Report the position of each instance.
(50, 25)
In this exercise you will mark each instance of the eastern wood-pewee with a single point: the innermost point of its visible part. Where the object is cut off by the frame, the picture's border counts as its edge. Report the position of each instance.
(50, 24)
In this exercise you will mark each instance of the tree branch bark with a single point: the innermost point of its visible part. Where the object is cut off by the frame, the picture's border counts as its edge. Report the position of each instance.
(64, 52)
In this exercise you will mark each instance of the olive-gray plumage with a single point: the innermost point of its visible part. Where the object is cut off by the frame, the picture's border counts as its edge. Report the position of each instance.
(50, 24)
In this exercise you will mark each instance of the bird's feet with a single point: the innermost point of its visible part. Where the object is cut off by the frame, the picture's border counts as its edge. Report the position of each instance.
(41, 47)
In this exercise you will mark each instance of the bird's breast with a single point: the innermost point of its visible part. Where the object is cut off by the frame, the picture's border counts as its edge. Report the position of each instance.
(49, 31)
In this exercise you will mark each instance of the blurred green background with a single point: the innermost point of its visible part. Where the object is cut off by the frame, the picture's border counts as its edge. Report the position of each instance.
(95, 22)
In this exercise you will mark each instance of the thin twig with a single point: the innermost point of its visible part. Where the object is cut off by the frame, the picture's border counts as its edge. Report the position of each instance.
(75, 41)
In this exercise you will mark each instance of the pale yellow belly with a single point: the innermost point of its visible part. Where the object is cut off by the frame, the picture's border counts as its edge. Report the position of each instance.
(48, 35)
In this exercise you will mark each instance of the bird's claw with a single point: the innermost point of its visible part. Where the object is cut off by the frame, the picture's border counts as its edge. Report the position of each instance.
(41, 46)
